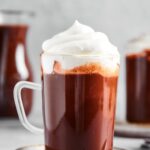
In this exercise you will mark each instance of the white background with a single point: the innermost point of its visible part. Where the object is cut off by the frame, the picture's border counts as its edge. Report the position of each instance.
(121, 20)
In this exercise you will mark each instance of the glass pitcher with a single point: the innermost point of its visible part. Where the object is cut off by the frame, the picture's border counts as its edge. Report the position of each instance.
(14, 63)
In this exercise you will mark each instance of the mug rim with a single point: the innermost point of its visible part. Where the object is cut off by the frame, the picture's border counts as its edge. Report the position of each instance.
(100, 55)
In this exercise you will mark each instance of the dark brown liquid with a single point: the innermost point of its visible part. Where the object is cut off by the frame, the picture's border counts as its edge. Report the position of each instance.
(79, 111)
(138, 87)
(14, 66)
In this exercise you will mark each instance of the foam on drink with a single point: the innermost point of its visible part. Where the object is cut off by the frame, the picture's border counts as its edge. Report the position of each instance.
(139, 44)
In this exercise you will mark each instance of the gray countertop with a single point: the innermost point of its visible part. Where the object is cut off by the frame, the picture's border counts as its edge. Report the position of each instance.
(13, 135)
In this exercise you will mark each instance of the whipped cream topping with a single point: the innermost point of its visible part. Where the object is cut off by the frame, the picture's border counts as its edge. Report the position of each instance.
(140, 43)
(80, 40)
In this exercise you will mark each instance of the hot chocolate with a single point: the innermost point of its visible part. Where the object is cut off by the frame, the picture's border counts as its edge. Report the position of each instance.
(79, 108)
(138, 87)
(14, 67)
(137, 80)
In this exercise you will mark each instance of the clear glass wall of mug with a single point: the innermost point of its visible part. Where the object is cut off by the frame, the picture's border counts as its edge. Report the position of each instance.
(79, 99)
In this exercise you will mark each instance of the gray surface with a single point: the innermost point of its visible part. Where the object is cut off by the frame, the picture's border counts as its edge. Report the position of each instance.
(13, 135)
(120, 19)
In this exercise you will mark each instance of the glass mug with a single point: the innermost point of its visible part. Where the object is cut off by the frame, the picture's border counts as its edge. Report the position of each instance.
(78, 104)
(138, 86)
(138, 80)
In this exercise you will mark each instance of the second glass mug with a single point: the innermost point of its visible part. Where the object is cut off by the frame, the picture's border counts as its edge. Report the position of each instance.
(78, 104)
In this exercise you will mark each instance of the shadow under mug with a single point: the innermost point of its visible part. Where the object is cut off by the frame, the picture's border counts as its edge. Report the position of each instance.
(78, 109)
(42, 147)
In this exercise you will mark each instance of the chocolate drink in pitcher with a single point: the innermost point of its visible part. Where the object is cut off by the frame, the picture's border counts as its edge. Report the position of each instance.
(14, 65)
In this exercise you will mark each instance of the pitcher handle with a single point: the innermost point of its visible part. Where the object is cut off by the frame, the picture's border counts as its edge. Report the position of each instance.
(19, 104)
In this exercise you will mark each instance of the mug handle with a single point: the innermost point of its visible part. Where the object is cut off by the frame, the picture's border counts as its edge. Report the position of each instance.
(19, 104)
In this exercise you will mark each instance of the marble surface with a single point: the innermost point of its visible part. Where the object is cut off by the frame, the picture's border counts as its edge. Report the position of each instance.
(13, 135)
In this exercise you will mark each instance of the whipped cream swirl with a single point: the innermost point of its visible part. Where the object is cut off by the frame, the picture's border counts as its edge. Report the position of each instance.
(80, 40)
